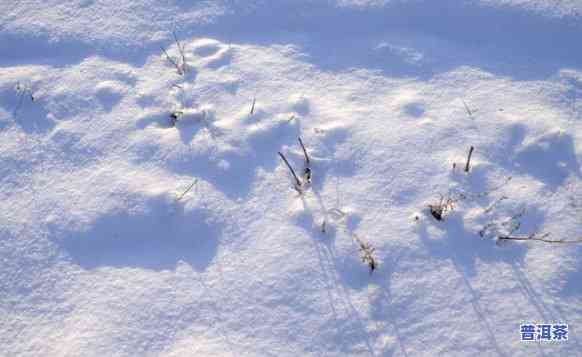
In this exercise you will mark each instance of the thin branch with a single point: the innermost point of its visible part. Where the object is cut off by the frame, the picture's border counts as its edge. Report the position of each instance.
(178, 43)
(253, 106)
(485, 193)
(467, 109)
(494, 204)
(291, 169)
(469, 159)
(181, 50)
(187, 190)
(172, 61)
(541, 239)
(307, 163)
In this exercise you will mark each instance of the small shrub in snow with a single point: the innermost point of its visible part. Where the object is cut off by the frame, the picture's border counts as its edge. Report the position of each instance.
(366, 254)
(445, 205)
(506, 230)
(300, 184)
(180, 62)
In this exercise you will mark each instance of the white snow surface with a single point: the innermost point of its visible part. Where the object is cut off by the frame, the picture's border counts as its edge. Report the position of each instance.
(103, 253)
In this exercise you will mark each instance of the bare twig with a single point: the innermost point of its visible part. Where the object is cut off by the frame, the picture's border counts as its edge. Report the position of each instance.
(253, 106)
(307, 170)
(297, 181)
(467, 109)
(494, 204)
(304, 152)
(474, 196)
(181, 50)
(187, 190)
(467, 166)
(171, 60)
(541, 238)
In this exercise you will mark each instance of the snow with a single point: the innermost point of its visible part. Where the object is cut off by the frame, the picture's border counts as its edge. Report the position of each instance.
(125, 232)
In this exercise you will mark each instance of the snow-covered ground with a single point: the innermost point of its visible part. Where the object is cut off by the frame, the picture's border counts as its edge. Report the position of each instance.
(125, 232)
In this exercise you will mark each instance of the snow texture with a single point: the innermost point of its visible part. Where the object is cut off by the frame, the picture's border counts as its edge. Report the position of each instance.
(144, 210)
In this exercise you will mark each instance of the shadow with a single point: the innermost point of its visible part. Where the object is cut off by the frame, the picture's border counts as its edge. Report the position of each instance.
(351, 327)
(222, 59)
(550, 159)
(516, 136)
(30, 116)
(547, 312)
(572, 284)
(188, 131)
(159, 119)
(503, 39)
(156, 239)
(337, 273)
(25, 49)
(483, 318)
(570, 288)
(254, 142)
(5, 119)
(533, 297)
(383, 311)
(473, 184)
(70, 148)
(108, 98)
(415, 110)
(464, 248)
(21, 49)
(242, 162)
(218, 315)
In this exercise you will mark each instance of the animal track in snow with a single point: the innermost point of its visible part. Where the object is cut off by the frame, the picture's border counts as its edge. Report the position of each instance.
(210, 53)
(110, 93)
(414, 109)
(299, 104)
